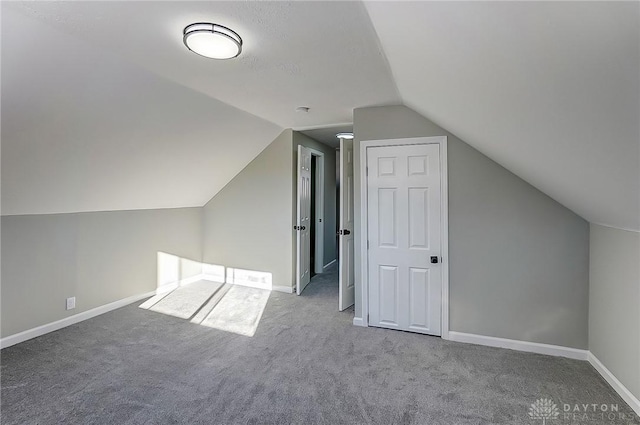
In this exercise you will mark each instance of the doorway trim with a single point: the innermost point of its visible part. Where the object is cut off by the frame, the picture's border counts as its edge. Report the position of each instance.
(318, 260)
(444, 225)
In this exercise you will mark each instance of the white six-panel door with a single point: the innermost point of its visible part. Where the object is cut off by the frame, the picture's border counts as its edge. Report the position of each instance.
(345, 238)
(303, 263)
(403, 214)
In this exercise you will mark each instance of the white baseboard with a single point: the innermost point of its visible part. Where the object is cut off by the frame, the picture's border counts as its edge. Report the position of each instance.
(212, 278)
(358, 321)
(329, 264)
(553, 350)
(167, 287)
(512, 344)
(191, 279)
(67, 321)
(285, 289)
(618, 386)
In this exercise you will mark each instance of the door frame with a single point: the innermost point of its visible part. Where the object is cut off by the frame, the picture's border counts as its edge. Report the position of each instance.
(318, 190)
(444, 225)
(318, 193)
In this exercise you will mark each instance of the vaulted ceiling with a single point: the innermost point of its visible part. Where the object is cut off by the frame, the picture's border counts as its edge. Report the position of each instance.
(103, 108)
(550, 90)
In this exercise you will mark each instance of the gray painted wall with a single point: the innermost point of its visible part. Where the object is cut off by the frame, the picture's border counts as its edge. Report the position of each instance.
(98, 257)
(330, 196)
(518, 260)
(102, 257)
(614, 294)
(247, 225)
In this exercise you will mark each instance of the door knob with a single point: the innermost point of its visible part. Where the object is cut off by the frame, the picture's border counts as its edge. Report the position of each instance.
(346, 232)
(434, 259)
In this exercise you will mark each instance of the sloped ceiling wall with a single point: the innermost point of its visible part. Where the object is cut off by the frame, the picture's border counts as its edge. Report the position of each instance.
(550, 90)
(85, 131)
(103, 108)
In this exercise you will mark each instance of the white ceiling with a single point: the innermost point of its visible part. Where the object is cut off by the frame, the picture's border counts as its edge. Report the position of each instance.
(327, 135)
(550, 90)
(323, 55)
(85, 131)
(104, 108)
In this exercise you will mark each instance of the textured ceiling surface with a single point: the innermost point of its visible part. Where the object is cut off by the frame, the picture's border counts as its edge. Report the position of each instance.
(319, 54)
(550, 90)
(85, 131)
(104, 108)
(327, 135)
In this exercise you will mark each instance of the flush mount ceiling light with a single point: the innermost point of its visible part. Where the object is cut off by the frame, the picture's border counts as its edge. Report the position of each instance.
(347, 136)
(212, 40)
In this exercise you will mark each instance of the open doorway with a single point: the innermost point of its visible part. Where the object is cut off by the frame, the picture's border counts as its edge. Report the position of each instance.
(310, 215)
(337, 245)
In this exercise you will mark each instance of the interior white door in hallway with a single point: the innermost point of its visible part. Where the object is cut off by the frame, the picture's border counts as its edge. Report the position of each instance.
(346, 296)
(303, 227)
(404, 237)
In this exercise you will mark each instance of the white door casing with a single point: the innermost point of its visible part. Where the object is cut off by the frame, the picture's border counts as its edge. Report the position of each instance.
(303, 228)
(403, 186)
(345, 234)
(318, 192)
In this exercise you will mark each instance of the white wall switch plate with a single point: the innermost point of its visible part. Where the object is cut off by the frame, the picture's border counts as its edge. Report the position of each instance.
(71, 303)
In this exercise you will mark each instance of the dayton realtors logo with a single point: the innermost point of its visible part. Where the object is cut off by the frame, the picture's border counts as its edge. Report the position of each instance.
(544, 409)
(609, 413)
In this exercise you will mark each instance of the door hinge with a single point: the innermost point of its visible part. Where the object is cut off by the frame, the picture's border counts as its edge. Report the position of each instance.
(366, 171)
(367, 244)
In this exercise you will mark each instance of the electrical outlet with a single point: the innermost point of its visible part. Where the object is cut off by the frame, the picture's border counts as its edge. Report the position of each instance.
(71, 303)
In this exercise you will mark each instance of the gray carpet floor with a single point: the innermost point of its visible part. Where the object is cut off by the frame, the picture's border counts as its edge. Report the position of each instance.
(305, 364)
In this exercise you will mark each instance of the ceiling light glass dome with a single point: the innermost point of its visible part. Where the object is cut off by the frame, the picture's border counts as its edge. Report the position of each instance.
(212, 40)
(347, 136)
